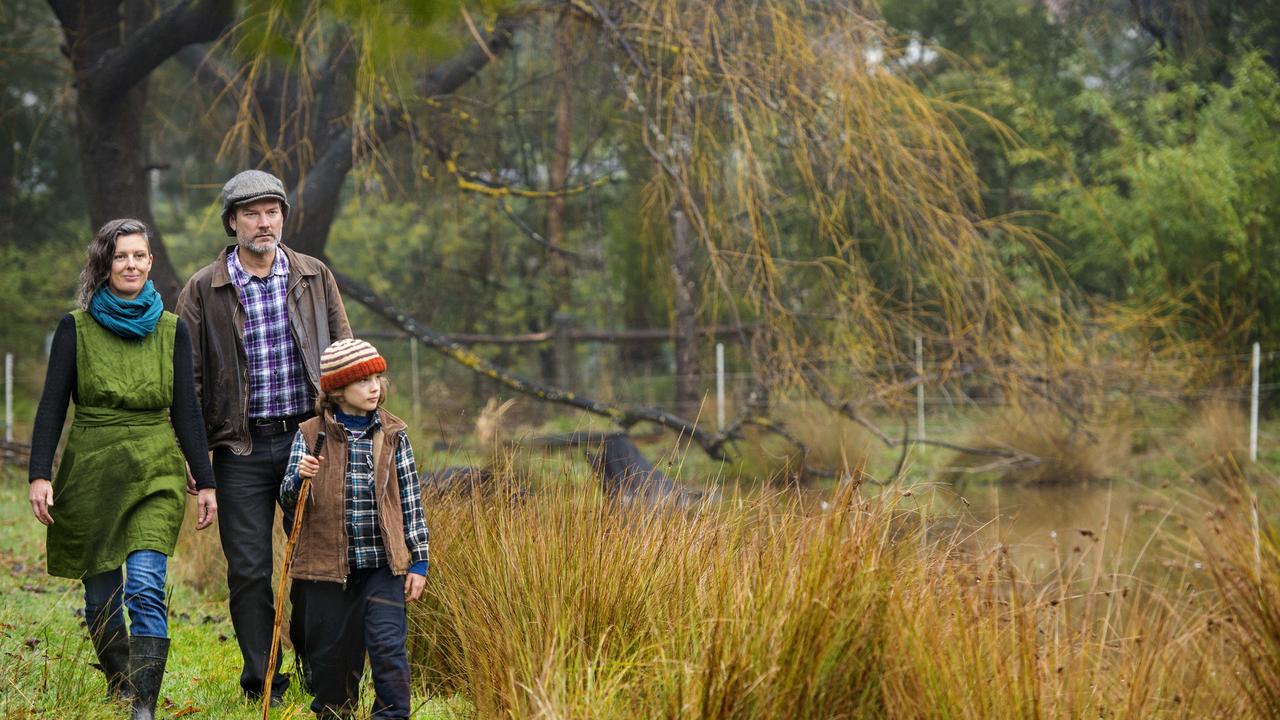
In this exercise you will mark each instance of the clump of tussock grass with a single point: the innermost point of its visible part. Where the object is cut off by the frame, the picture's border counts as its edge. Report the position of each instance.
(1050, 449)
(567, 605)
(558, 603)
(980, 639)
(1243, 551)
(1215, 438)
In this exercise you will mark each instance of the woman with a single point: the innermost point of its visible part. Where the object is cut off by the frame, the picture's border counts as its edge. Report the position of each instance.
(118, 497)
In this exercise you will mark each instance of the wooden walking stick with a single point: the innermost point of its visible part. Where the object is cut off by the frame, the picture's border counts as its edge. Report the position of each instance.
(304, 492)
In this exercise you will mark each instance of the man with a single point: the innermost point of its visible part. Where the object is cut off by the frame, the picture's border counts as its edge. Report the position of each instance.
(260, 315)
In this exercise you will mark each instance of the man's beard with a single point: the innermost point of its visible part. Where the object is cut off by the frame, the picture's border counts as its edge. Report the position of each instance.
(260, 245)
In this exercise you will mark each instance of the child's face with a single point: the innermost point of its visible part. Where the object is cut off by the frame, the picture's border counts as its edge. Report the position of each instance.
(361, 396)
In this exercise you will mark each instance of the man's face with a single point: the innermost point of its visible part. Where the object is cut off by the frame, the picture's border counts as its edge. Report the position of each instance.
(257, 225)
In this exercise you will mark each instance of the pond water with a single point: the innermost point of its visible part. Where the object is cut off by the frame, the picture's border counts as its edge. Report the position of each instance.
(1125, 527)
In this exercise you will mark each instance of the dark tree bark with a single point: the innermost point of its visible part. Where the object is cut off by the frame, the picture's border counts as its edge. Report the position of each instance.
(686, 313)
(317, 193)
(625, 473)
(113, 47)
(558, 166)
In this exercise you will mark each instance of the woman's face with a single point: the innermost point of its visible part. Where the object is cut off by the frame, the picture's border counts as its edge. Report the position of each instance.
(130, 266)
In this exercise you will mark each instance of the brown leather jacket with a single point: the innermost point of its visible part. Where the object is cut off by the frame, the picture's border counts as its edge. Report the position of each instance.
(210, 305)
(321, 553)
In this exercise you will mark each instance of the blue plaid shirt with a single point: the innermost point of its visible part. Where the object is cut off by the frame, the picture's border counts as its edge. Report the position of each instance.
(364, 536)
(278, 384)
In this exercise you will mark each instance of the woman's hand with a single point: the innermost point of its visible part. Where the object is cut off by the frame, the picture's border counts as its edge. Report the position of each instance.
(413, 585)
(207, 506)
(41, 497)
(308, 466)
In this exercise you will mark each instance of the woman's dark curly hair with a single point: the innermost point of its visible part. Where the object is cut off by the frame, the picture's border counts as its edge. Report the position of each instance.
(97, 266)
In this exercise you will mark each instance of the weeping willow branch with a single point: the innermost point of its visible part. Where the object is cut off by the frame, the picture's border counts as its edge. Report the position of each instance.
(473, 182)
(819, 177)
(624, 417)
(537, 237)
(847, 409)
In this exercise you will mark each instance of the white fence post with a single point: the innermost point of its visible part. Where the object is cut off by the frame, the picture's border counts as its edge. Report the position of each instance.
(1253, 405)
(8, 397)
(920, 388)
(720, 386)
(415, 383)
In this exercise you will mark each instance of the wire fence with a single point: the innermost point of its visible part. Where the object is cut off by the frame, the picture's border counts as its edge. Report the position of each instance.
(430, 390)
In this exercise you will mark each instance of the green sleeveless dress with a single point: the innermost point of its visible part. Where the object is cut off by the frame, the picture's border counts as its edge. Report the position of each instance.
(121, 485)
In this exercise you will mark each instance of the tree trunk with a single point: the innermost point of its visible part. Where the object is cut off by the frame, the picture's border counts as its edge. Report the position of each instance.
(112, 54)
(558, 170)
(113, 158)
(685, 335)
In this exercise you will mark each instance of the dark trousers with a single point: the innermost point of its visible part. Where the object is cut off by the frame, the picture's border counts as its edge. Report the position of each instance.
(248, 492)
(342, 624)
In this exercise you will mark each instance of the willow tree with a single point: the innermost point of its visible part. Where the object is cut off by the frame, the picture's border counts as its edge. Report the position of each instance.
(834, 202)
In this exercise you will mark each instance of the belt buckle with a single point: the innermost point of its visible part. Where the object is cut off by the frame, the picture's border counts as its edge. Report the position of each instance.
(270, 427)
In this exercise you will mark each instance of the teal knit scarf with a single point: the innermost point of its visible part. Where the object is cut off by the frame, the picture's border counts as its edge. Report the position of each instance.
(130, 319)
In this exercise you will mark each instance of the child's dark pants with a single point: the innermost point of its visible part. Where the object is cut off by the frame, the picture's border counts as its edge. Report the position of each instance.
(341, 625)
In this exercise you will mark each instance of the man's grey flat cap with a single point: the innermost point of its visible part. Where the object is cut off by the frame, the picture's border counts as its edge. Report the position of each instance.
(246, 187)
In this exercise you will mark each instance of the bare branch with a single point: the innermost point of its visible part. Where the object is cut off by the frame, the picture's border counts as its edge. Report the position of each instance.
(208, 69)
(448, 76)
(535, 236)
(317, 193)
(623, 417)
(186, 23)
(599, 14)
(850, 411)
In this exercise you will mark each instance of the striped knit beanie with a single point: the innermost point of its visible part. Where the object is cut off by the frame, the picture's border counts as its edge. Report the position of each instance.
(347, 361)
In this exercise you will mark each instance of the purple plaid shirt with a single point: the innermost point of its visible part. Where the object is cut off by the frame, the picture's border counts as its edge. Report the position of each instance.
(278, 385)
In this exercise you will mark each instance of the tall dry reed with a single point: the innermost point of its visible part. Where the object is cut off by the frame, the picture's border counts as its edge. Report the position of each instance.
(1244, 556)
(559, 603)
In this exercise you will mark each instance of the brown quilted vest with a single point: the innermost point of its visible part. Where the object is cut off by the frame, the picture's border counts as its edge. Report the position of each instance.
(321, 552)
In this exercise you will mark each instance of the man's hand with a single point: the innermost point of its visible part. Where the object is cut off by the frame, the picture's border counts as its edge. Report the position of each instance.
(308, 466)
(413, 585)
(191, 481)
(207, 507)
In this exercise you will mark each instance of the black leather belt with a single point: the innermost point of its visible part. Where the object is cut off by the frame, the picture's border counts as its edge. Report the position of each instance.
(276, 426)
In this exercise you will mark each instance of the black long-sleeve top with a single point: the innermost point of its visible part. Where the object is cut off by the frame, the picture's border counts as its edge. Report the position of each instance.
(60, 386)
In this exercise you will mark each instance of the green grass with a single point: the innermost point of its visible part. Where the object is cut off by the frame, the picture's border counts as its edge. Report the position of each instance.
(46, 650)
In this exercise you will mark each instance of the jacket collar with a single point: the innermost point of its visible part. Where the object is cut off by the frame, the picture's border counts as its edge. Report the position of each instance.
(297, 267)
(390, 424)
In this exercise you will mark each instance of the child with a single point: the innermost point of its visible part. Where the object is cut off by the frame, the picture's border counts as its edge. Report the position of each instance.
(362, 547)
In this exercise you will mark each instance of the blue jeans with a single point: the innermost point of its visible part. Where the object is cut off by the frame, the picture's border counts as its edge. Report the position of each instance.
(142, 591)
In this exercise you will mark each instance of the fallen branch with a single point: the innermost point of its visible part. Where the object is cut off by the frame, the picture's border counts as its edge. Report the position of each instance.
(15, 452)
(849, 410)
(625, 473)
(623, 417)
